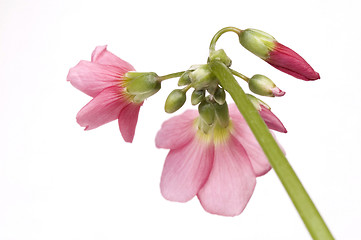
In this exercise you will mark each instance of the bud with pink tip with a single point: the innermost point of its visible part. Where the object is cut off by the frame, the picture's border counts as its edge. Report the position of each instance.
(279, 56)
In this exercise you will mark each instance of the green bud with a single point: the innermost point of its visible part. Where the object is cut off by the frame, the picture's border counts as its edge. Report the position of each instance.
(197, 96)
(202, 77)
(261, 85)
(222, 114)
(175, 101)
(184, 79)
(141, 84)
(257, 42)
(220, 96)
(220, 55)
(206, 112)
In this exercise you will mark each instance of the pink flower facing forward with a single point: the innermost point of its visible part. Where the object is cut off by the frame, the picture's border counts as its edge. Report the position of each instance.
(279, 56)
(220, 167)
(103, 79)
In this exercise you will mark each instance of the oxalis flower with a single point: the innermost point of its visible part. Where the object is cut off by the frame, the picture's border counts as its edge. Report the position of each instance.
(219, 166)
(108, 79)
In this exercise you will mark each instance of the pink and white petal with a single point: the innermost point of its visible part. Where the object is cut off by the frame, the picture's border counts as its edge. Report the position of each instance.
(102, 56)
(177, 131)
(231, 182)
(104, 108)
(91, 78)
(127, 121)
(245, 136)
(271, 120)
(185, 170)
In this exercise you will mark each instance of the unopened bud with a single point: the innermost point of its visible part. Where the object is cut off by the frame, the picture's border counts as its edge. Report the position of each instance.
(184, 79)
(220, 96)
(175, 101)
(197, 96)
(264, 86)
(220, 55)
(206, 112)
(257, 42)
(202, 77)
(222, 114)
(141, 84)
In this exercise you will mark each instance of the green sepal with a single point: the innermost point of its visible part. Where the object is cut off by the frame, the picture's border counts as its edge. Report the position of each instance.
(220, 96)
(207, 112)
(220, 55)
(184, 79)
(257, 42)
(197, 96)
(141, 84)
(222, 114)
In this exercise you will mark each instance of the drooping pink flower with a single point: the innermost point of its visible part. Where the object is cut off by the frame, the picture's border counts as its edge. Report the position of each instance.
(103, 79)
(219, 167)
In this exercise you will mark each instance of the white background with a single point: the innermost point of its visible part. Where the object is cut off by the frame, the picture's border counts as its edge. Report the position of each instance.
(59, 182)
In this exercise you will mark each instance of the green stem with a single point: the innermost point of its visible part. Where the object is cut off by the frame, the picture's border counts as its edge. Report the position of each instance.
(303, 203)
(212, 47)
(172, 75)
(240, 75)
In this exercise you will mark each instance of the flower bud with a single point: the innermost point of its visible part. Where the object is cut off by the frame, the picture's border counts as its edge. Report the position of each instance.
(264, 86)
(279, 56)
(202, 77)
(268, 117)
(175, 101)
(222, 114)
(220, 55)
(197, 96)
(141, 84)
(206, 112)
(220, 96)
(184, 79)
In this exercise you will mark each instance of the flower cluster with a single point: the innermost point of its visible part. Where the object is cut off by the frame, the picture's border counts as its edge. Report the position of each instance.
(213, 153)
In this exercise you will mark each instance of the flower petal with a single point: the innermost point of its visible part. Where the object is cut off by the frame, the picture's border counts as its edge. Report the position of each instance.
(288, 61)
(186, 170)
(104, 108)
(91, 78)
(177, 131)
(271, 120)
(245, 136)
(231, 182)
(102, 56)
(127, 121)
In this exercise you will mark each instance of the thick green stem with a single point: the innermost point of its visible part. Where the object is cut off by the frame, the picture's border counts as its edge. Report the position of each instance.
(303, 203)
(172, 75)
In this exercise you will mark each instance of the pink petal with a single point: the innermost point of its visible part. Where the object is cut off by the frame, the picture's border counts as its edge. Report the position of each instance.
(102, 56)
(244, 135)
(91, 78)
(185, 170)
(177, 131)
(277, 92)
(104, 108)
(127, 121)
(271, 120)
(231, 182)
(288, 61)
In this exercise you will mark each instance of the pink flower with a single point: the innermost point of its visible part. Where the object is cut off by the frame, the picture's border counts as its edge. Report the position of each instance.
(288, 61)
(219, 167)
(103, 79)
